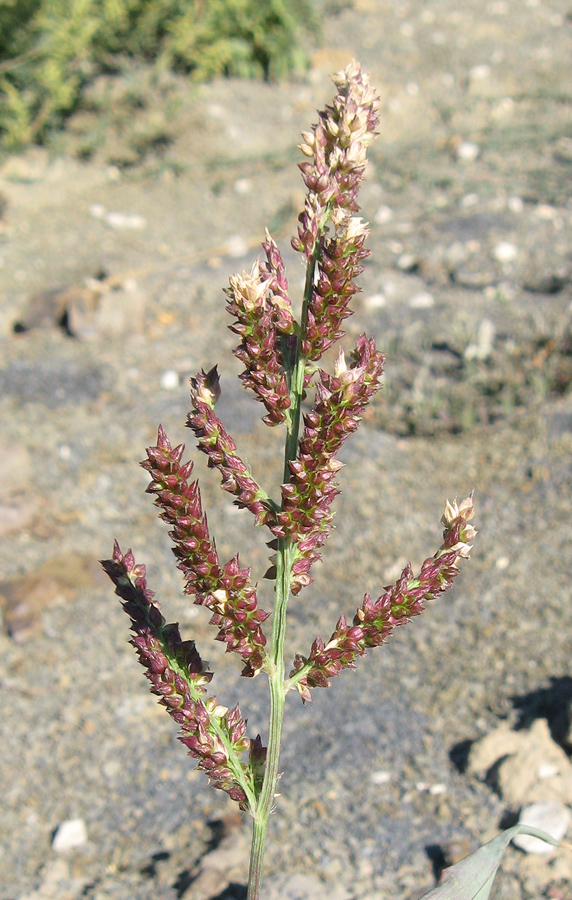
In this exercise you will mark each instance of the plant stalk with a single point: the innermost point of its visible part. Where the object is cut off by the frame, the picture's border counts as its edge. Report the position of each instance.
(285, 558)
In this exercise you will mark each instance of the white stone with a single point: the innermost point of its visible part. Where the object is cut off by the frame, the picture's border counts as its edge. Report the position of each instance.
(243, 186)
(469, 200)
(97, 211)
(515, 204)
(480, 72)
(169, 380)
(69, 834)
(547, 770)
(545, 212)
(406, 262)
(380, 777)
(467, 152)
(502, 563)
(121, 220)
(383, 215)
(505, 252)
(236, 246)
(550, 816)
(375, 301)
(437, 789)
(423, 300)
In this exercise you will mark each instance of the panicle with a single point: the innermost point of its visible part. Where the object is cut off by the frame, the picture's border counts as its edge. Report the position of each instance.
(177, 674)
(336, 150)
(307, 497)
(224, 589)
(376, 619)
(259, 301)
(219, 447)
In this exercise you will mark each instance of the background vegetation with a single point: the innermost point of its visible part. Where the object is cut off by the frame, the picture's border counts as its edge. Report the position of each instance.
(51, 49)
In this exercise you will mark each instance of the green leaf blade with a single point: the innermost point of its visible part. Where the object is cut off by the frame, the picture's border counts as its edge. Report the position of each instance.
(472, 878)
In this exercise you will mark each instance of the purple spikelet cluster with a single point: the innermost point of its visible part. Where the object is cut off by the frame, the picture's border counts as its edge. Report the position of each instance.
(306, 515)
(217, 444)
(338, 263)
(376, 619)
(225, 590)
(259, 301)
(178, 676)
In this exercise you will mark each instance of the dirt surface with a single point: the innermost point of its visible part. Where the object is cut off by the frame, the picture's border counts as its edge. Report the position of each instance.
(115, 243)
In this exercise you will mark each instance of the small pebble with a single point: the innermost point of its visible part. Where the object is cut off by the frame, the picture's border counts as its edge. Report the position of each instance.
(550, 816)
(169, 380)
(122, 221)
(236, 246)
(380, 777)
(546, 770)
(469, 200)
(505, 252)
(545, 212)
(243, 186)
(375, 301)
(423, 300)
(97, 211)
(480, 72)
(515, 204)
(502, 563)
(383, 215)
(437, 789)
(407, 262)
(467, 152)
(69, 834)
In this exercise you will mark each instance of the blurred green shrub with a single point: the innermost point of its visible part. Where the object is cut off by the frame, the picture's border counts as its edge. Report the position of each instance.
(50, 49)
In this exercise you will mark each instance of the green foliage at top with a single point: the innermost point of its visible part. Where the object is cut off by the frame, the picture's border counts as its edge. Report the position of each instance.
(50, 49)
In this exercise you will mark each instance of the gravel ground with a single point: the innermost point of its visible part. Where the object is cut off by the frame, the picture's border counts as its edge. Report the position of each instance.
(165, 190)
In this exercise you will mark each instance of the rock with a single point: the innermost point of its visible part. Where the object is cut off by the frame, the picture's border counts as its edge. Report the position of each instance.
(375, 301)
(123, 221)
(550, 816)
(169, 380)
(545, 272)
(467, 152)
(422, 300)
(208, 883)
(383, 215)
(110, 312)
(232, 852)
(23, 599)
(522, 760)
(50, 308)
(505, 252)
(69, 834)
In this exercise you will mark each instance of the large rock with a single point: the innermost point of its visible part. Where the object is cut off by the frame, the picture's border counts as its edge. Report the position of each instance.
(529, 765)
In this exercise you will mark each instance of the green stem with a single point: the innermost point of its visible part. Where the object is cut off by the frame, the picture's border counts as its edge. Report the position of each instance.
(284, 561)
